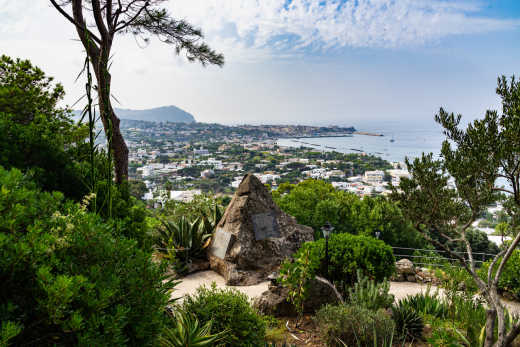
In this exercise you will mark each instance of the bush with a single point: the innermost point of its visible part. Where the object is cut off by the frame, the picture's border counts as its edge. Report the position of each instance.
(373, 296)
(37, 135)
(344, 325)
(67, 279)
(229, 310)
(509, 279)
(347, 254)
(314, 202)
(409, 324)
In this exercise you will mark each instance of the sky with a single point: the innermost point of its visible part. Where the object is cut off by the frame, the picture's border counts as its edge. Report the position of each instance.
(317, 62)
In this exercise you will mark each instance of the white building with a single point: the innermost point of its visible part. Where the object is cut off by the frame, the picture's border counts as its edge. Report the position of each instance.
(397, 174)
(184, 195)
(201, 151)
(374, 176)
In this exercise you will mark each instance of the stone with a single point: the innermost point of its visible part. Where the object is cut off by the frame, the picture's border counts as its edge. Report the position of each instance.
(220, 244)
(404, 267)
(274, 301)
(262, 236)
(265, 226)
(410, 278)
(197, 265)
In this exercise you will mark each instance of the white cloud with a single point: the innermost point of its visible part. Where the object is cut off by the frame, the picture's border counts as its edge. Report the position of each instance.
(291, 25)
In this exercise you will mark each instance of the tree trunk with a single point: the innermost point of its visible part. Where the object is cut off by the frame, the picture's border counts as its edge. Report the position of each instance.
(119, 148)
(120, 151)
(490, 327)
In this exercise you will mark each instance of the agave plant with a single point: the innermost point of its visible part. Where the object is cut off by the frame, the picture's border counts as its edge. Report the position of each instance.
(183, 239)
(187, 331)
(210, 220)
(367, 293)
(408, 323)
(427, 303)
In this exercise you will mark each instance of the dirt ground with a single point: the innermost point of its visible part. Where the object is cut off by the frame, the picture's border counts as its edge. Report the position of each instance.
(305, 334)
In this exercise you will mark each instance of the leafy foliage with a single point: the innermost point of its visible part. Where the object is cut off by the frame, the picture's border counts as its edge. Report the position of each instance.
(474, 157)
(510, 279)
(202, 206)
(315, 202)
(37, 134)
(348, 254)
(230, 311)
(369, 294)
(350, 325)
(296, 276)
(67, 278)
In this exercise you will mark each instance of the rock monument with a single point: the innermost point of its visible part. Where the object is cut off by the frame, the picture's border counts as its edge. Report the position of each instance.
(254, 236)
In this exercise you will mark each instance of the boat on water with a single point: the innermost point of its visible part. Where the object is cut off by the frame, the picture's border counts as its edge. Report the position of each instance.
(392, 139)
(329, 147)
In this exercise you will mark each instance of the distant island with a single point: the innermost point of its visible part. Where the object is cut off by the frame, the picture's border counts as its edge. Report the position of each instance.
(172, 114)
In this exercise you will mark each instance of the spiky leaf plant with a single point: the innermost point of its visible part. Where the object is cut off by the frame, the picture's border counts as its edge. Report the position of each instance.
(369, 294)
(409, 324)
(187, 331)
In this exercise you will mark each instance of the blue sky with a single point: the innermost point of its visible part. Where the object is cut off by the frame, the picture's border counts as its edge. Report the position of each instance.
(300, 61)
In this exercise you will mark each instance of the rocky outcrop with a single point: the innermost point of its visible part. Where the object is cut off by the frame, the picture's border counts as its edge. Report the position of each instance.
(274, 301)
(405, 267)
(254, 236)
(407, 272)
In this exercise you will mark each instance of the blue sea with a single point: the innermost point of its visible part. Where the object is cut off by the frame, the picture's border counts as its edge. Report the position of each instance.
(410, 140)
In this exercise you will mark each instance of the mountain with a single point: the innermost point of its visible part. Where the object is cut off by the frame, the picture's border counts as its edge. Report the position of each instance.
(160, 114)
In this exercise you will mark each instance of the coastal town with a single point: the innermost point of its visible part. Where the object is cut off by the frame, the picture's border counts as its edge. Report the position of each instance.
(180, 160)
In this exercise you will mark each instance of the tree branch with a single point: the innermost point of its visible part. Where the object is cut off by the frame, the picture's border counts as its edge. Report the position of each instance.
(493, 263)
(98, 17)
(513, 333)
(79, 26)
(508, 254)
(132, 19)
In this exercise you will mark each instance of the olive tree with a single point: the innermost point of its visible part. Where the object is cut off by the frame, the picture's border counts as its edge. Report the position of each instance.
(99, 22)
(479, 165)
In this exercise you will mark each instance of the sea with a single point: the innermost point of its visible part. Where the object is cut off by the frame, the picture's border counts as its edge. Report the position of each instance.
(409, 140)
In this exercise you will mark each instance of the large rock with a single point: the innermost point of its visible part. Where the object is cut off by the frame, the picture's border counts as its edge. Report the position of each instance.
(404, 271)
(274, 301)
(254, 236)
(405, 267)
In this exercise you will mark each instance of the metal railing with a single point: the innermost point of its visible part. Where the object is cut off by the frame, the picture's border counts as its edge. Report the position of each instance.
(439, 257)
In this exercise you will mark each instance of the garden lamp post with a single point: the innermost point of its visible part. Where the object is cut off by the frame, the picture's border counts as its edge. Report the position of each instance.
(378, 233)
(326, 230)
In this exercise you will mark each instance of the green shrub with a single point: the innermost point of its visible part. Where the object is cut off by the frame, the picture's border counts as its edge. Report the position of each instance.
(314, 202)
(229, 310)
(347, 254)
(37, 135)
(344, 325)
(67, 279)
(408, 323)
(366, 293)
(509, 279)
(457, 316)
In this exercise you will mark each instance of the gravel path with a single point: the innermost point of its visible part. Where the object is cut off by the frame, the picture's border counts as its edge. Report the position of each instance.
(191, 282)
